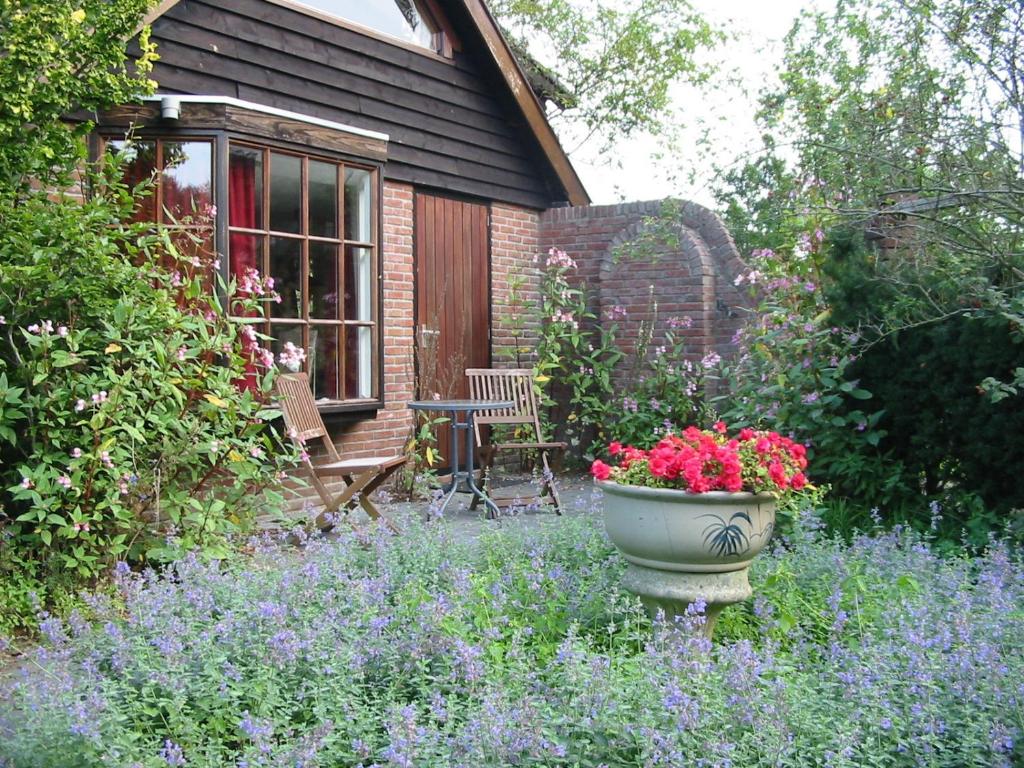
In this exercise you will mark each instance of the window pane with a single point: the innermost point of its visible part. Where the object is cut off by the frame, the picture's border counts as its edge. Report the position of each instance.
(323, 361)
(286, 269)
(358, 361)
(139, 159)
(285, 193)
(244, 252)
(357, 205)
(187, 178)
(399, 18)
(245, 188)
(358, 283)
(323, 281)
(323, 199)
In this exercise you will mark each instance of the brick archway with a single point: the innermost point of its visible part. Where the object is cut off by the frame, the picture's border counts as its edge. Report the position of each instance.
(694, 276)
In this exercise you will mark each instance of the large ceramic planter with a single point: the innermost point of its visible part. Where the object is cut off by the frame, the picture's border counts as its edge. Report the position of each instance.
(683, 546)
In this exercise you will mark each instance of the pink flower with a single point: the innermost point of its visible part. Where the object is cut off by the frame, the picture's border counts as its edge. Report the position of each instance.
(62, 331)
(80, 405)
(559, 258)
(292, 357)
(64, 480)
(600, 470)
(26, 483)
(181, 353)
(256, 452)
(76, 453)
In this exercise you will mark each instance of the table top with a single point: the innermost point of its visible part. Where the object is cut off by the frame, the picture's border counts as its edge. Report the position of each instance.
(459, 405)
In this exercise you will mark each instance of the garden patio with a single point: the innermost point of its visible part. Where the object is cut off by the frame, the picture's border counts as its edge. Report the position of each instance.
(784, 423)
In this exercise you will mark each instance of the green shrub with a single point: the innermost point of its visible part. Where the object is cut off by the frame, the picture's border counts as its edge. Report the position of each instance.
(123, 418)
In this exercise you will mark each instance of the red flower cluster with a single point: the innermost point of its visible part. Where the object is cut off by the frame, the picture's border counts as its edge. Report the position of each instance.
(708, 460)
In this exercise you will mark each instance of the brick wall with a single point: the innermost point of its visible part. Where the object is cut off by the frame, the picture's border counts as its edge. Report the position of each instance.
(515, 285)
(692, 277)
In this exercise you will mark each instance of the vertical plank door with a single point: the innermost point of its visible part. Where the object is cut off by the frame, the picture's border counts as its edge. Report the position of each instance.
(453, 319)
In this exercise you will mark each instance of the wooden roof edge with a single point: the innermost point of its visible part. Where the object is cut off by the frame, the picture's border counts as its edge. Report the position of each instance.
(527, 100)
(155, 13)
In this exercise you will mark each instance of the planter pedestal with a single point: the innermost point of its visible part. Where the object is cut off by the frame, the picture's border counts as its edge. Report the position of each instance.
(683, 547)
(673, 591)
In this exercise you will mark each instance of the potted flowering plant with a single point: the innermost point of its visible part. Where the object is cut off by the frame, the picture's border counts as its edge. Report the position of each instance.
(690, 514)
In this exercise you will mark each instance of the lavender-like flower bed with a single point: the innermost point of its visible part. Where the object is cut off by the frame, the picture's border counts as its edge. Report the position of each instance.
(421, 650)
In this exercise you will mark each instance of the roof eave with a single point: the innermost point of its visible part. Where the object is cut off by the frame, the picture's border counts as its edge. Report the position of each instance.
(528, 102)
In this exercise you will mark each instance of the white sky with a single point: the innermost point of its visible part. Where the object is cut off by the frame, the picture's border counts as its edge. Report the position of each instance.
(758, 28)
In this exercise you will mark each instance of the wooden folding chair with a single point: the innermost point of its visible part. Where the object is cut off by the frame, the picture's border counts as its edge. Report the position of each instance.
(515, 384)
(361, 476)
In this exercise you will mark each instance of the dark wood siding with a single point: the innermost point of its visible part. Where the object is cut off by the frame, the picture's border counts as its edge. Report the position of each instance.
(452, 126)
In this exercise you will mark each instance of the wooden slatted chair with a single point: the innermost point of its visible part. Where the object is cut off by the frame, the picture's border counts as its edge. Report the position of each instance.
(515, 384)
(361, 476)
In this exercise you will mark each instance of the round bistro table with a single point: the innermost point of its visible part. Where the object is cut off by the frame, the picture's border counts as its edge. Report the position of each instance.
(469, 408)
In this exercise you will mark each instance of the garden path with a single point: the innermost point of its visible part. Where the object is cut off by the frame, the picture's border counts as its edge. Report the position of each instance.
(577, 492)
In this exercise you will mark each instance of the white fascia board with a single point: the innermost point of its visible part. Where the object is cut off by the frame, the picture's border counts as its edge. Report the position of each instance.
(263, 108)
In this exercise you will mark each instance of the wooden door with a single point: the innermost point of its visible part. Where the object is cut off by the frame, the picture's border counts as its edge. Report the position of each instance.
(453, 327)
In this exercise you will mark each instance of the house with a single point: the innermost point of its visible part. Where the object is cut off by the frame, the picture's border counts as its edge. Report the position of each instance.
(385, 162)
(390, 166)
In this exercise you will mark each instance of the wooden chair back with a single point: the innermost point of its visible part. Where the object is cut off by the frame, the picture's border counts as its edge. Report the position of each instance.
(301, 417)
(515, 384)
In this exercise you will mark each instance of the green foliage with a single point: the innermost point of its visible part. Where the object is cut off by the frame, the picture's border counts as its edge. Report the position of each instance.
(124, 420)
(59, 57)
(938, 422)
(124, 431)
(904, 120)
(792, 370)
(664, 392)
(614, 62)
(575, 357)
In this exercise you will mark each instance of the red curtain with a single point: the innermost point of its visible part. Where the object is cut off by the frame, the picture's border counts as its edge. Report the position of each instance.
(243, 250)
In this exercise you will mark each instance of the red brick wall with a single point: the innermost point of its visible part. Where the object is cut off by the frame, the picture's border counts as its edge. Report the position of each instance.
(692, 278)
(515, 285)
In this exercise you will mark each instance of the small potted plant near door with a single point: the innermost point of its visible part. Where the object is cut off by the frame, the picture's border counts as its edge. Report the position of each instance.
(690, 514)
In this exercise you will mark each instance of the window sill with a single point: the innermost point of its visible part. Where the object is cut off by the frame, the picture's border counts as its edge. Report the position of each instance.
(354, 409)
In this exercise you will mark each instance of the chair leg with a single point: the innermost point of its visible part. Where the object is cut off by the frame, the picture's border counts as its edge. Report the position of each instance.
(486, 454)
(332, 504)
(549, 483)
(369, 507)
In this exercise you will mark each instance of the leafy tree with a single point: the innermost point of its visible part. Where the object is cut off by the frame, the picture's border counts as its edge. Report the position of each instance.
(610, 64)
(898, 129)
(123, 421)
(909, 114)
(59, 58)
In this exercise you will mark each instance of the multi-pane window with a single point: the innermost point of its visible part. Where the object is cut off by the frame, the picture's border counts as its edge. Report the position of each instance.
(309, 223)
